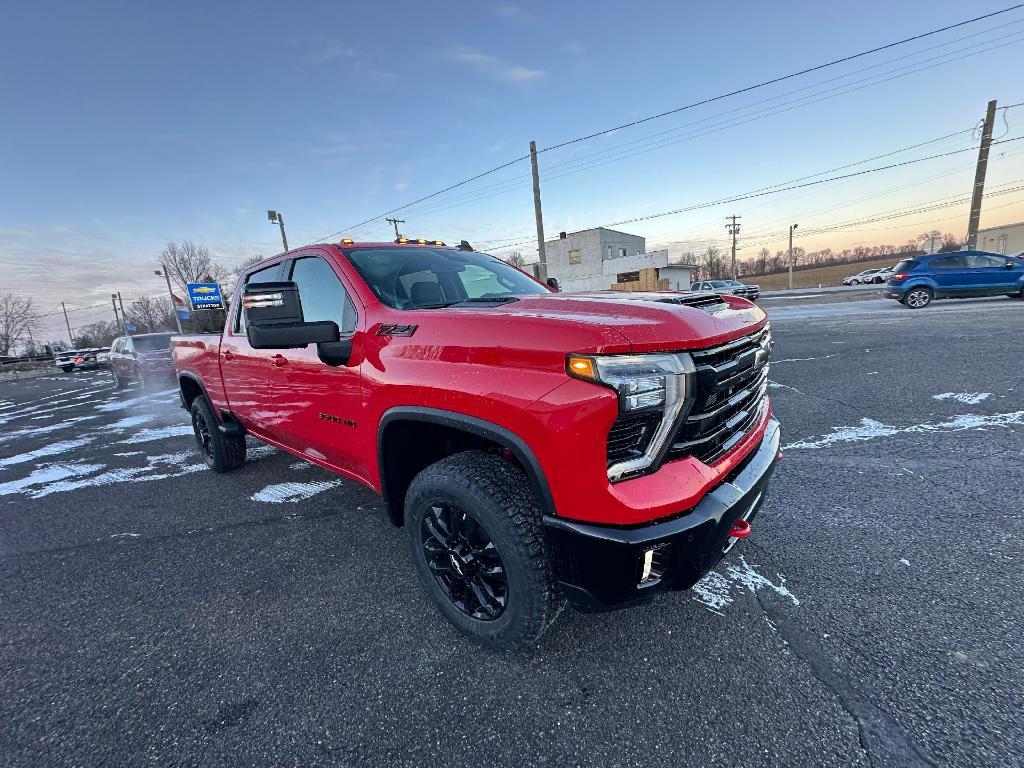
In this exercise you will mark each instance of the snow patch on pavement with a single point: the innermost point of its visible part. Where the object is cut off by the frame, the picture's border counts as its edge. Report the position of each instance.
(48, 473)
(158, 468)
(970, 398)
(869, 429)
(128, 422)
(801, 359)
(715, 591)
(158, 433)
(47, 450)
(120, 405)
(293, 492)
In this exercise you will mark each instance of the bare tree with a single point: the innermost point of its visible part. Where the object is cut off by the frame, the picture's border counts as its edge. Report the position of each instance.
(191, 263)
(151, 315)
(98, 334)
(516, 259)
(18, 319)
(250, 262)
(712, 263)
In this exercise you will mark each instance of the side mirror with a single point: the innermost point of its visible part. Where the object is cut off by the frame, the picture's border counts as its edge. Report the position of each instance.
(273, 318)
(552, 283)
(1010, 265)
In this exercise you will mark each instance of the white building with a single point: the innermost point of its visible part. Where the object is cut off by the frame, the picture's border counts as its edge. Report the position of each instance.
(1005, 240)
(594, 259)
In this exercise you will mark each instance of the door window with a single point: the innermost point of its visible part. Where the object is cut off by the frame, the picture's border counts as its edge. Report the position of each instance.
(981, 261)
(957, 261)
(322, 295)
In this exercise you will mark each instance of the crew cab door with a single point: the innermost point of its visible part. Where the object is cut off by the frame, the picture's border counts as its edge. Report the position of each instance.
(246, 371)
(318, 406)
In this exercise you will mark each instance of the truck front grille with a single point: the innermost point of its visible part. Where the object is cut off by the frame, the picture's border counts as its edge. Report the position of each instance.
(730, 386)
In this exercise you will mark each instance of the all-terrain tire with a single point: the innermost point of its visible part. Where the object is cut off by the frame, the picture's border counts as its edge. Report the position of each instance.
(221, 452)
(118, 384)
(497, 496)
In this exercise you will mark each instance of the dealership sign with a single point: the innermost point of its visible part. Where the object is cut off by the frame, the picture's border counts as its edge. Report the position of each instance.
(205, 296)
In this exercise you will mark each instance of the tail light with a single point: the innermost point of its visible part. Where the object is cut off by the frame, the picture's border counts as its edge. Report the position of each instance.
(79, 360)
(899, 276)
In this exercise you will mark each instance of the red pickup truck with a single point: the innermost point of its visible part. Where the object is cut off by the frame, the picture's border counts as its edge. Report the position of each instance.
(537, 446)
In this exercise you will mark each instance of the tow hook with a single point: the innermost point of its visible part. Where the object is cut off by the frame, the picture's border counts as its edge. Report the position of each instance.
(740, 530)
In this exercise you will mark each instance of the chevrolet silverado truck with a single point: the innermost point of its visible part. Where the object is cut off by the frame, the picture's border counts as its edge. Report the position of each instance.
(537, 447)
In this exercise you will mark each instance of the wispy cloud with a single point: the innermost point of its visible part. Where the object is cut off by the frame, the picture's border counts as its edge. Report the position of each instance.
(495, 67)
(514, 14)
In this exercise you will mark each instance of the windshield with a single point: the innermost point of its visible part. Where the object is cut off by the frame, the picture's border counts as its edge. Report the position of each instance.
(718, 283)
(426, 278)
(734, 282)
(152, 343)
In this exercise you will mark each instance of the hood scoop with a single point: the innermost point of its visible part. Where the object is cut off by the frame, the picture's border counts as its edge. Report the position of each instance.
(707, 302)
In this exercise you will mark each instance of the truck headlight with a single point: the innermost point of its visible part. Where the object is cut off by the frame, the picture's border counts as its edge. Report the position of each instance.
(655, 383)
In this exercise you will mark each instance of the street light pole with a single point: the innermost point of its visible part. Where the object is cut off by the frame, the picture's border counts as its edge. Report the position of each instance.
(170, 295)
(791, 228)
(277, 218)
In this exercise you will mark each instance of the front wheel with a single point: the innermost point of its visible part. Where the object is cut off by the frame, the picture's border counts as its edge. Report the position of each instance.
(918, 298)
(220, 451)
(474, 533)
(855, 282)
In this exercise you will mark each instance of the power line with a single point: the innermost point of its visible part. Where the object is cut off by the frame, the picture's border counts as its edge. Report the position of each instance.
(676, 110)
(620, 152)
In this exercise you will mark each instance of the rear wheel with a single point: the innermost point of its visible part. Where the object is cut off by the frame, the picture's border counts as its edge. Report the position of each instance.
(475, 537)
(221, 452)
(118, 384)
(918, 298)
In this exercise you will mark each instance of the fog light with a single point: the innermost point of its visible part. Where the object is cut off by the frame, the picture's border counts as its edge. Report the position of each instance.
(652, 565)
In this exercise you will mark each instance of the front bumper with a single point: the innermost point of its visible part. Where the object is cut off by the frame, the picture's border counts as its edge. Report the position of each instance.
(599, 567)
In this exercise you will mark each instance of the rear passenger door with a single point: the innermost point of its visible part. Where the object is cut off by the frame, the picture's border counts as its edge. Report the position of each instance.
(319, 406)
(951, 275)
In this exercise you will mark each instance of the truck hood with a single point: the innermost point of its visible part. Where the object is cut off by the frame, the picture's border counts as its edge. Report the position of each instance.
(646, 321)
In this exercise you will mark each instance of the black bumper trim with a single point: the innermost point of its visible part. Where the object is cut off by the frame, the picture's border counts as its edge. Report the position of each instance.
(599, 567)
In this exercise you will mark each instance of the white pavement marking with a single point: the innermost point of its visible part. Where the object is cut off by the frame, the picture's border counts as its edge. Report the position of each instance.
(292, 492)
(869, 429)
(970, 398)
(715, 589)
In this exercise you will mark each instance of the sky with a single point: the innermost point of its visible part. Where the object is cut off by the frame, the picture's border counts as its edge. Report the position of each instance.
(128, 125)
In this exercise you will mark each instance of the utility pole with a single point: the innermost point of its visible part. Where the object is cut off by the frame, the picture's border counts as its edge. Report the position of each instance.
(734, 229)
(71, 339)
(979, 176)
(542, 255)
(170, 294)
(396, 222)
(791, 228)
(117, 318)
(277, 218)
(124, 315)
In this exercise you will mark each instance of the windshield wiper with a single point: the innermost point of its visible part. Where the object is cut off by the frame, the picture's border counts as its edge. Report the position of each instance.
(490, 300)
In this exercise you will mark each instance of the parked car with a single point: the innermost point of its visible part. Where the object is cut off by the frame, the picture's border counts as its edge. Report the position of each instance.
(144, 359)
(745, 290)
(537, 447)
(866, 276)
(66, 360)
(882, 275)
(733, 287)
(915, 282)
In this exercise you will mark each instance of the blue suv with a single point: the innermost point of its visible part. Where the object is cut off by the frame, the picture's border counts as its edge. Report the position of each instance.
(915, 282)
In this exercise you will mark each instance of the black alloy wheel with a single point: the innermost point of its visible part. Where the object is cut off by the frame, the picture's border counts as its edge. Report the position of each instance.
(464, 561)
(203, 437)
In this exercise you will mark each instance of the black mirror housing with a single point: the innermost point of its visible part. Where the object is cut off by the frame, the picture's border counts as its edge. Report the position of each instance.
(552, 283)
(291, 335)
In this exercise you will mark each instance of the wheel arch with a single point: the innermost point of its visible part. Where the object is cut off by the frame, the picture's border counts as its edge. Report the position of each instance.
(439, 433)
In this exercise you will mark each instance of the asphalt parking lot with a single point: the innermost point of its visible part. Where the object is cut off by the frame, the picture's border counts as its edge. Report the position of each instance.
(152, 612)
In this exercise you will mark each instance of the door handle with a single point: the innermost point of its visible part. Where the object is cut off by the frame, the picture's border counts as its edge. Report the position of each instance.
(279, 361)
(228, 355)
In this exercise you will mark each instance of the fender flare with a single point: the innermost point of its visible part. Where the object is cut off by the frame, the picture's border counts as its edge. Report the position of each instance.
(475, 426)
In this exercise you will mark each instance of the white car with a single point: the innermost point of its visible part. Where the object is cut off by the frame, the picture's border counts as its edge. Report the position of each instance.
(867, 276)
